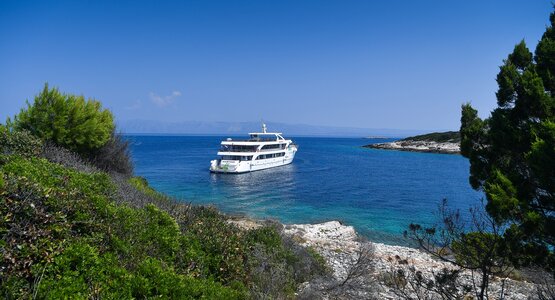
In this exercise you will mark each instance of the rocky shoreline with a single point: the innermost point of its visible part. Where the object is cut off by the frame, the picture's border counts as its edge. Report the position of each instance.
(419, 146)
(342, 248)
(340, 245)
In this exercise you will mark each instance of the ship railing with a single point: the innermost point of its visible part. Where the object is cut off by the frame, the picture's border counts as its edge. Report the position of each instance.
(272, 149)
(254, 150)
(254, 140)
(227, 149)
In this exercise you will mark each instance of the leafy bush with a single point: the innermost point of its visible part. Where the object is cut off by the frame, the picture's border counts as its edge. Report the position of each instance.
(155, 280)
(83, 272)
(19, 142)
(62, 234)
(222, 242)
(70, 121)
(29, 232)
(141, 185)
(277, 264)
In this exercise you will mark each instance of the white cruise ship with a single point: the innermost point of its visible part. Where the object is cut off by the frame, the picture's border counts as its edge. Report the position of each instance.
(262, 150)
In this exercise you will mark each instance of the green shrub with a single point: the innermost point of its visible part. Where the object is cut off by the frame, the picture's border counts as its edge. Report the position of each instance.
(68, 120)
(42, 205)
(320, 261)
(277, 264)
(141, 184)
(268, 236)
(66, 190)
(146, 232)
(19, 142)
(67, 220)
(222, 242)
(270, 264)
(82, 272)
(155, 280)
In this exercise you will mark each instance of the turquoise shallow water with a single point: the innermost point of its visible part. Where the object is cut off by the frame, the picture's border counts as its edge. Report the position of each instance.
(379, 192)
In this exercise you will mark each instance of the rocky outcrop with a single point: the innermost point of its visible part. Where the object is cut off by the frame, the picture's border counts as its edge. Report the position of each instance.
(419, 146)
(436, 142)
(340, 246)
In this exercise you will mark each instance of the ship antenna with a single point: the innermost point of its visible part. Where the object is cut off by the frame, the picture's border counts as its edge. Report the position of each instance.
(263, 127)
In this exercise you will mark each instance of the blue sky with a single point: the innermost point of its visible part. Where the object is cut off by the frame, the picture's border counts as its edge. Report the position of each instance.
(370, 64)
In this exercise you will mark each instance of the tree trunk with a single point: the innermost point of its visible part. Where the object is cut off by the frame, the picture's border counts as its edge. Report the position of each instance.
(484, 284)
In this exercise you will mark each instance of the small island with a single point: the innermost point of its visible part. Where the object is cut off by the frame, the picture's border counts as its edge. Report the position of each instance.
(437, 142)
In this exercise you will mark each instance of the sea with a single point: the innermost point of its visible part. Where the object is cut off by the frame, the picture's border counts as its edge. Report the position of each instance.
(379, 192)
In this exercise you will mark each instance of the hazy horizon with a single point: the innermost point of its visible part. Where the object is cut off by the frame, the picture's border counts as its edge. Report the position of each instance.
(141, 126)
(406, 65)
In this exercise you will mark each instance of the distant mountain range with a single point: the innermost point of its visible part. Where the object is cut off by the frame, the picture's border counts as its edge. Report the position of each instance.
(241, 128)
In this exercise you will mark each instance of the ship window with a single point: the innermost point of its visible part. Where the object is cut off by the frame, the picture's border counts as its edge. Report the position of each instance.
(275, 146)
(238, 148)
(231, 157)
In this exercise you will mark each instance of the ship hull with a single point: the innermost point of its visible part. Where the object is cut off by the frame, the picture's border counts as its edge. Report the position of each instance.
(238, 167)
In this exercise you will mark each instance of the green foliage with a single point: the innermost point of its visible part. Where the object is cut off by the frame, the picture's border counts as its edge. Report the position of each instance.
(68, 120)
(222, 243)
(319, 259)
(440, 137)
(63, 234)
(68, 229)
(475, 250)
(74, 123)
(545, 56)
(42, 205)
(19, 142)
(155, 280)
(144, 232)
(266, 236)
(61, 228)
(83, 272)
(141, 184)
(512, 153)
(271, 264)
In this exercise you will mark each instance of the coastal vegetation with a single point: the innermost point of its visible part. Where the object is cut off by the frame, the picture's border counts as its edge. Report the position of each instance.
(77, 223)
(438, 137)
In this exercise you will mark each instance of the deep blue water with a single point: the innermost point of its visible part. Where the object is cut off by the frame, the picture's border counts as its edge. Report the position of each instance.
(379, 192)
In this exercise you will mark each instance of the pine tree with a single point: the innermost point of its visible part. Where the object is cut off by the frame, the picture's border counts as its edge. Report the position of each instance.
(512, 153)
(67, 120)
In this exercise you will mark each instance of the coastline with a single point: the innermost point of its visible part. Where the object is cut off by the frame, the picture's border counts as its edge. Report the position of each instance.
(419, 146)
(341, 247)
